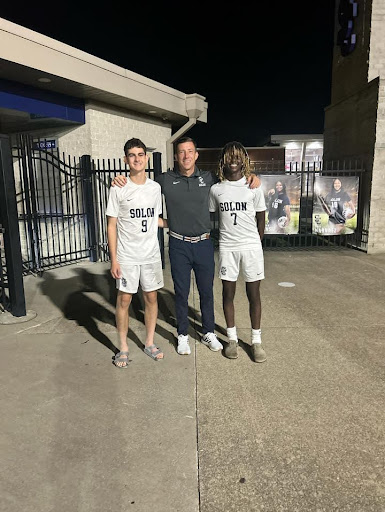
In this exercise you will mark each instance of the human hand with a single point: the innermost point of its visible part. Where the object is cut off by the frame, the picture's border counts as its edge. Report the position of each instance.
(253, 181)
(115, 270)
(119, 180)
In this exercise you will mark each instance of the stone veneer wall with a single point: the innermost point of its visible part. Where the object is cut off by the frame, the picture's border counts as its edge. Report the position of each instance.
(377, 41)
(376, 242)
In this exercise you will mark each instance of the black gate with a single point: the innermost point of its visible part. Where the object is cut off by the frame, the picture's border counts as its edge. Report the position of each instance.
(61, 202)
(51, 205)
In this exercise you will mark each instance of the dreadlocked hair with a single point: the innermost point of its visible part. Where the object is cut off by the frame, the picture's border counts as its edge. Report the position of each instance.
(229, 151)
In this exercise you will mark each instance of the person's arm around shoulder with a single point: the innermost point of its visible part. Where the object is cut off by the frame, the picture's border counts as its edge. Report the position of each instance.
(119, 181)
(253, 181)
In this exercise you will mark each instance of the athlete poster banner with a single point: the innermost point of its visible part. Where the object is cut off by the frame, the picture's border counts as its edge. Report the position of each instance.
(282, 195)
(335, 205)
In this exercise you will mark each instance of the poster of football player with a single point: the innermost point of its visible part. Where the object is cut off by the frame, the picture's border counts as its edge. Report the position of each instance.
(282, 196)
(335, 205)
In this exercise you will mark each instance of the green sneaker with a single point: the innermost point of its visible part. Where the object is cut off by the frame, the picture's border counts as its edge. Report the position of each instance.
(257, 352)
(231, 349)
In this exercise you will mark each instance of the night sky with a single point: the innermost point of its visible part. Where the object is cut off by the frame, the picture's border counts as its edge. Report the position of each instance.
(263, 70)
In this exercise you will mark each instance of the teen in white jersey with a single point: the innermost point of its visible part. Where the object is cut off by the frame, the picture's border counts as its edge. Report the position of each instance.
(133, 218)
(241, 229)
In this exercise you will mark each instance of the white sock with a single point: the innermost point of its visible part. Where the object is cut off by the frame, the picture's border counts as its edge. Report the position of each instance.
(232, 333)
(256, 336)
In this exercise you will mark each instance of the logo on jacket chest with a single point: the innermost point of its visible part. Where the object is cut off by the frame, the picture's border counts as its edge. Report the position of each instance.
(201, 182)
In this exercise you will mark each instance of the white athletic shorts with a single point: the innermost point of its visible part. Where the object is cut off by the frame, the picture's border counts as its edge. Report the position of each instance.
(251, 263)
(149, 276)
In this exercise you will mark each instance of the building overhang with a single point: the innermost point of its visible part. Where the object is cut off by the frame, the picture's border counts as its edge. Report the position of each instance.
(33, 59)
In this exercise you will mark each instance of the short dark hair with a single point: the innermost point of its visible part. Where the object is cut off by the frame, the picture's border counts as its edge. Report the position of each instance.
(134, 143)
(182, 140)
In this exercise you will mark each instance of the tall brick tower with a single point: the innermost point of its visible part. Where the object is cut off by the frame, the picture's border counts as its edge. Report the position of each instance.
(355, 119)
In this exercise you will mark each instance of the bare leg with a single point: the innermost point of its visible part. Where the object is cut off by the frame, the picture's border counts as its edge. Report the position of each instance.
(257, 351)
(228, 294)
(123, 302)
(150, 316)
(255, 308)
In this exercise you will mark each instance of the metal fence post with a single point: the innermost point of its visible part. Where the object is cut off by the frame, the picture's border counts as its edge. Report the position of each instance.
(157, 165)
(89, 205)
(10, 223)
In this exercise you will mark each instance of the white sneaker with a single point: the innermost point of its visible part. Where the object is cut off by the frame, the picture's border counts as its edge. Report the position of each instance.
(210, 339)
(183, 345)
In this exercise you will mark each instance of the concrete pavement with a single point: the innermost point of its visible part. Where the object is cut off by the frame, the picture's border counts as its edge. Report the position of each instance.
(303, 431)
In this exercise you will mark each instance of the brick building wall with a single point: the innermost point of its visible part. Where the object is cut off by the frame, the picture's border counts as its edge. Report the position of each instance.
(107, 129)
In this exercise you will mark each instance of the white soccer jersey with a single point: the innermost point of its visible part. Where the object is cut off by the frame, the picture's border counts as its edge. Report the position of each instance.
(237, 205)
(137, 208)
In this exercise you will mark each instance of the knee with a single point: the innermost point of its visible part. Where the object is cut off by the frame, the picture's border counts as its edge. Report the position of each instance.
(124, 300)
(150, 298)
(255, 301)
(255, 304)
(227, 298)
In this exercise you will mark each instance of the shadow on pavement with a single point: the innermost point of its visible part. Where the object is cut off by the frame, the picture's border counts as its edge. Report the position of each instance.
(89, 300)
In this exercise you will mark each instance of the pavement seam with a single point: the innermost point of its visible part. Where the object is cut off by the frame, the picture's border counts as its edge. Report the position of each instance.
(194, 296)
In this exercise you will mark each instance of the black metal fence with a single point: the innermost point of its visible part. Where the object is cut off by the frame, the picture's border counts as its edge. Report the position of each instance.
(305, 238)
(4, 299)
(61, 204)
(51, 206)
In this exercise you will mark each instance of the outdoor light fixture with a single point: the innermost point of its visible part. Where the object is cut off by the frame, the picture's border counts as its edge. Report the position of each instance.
(44, 80)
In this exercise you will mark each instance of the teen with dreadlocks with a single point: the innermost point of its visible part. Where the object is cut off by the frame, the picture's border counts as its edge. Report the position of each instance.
(241, 229)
